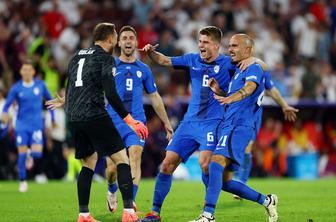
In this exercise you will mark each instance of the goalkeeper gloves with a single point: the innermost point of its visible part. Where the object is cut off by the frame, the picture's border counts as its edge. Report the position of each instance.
(140, 129)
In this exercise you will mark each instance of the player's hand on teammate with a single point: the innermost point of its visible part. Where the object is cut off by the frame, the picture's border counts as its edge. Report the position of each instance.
(140, 129)
(242, 65)
(214, 85)
(223, 100)
(169, 131)
(149, 48)
(55, 103)
(290, 113)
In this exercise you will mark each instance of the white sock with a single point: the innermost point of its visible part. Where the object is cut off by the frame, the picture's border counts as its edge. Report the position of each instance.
(84, 214)
(129, 210)
(207, 214)
(267, 201)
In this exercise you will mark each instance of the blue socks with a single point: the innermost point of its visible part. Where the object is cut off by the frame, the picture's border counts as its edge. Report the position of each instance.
(162, 187)
(112, 187)
(215, 185)
(244, 171)
(135, 191)
(22, 166)
(205, 179)
(243, 191)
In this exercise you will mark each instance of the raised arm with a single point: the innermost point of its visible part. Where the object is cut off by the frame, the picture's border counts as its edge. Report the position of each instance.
(288, 111)
(157, 57)
(159, 109)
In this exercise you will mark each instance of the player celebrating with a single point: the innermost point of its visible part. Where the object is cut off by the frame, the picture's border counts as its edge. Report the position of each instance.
(289, 113)
(28, 93)
(91, 74)
(197, 131)
(244, 99)
(132, 76)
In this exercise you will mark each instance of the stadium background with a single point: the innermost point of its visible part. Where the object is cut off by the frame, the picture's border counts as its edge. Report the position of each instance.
(296, 38)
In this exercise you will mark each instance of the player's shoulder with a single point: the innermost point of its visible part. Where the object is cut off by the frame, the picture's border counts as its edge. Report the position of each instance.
(223, 58)
(142, 65)
(255, 67)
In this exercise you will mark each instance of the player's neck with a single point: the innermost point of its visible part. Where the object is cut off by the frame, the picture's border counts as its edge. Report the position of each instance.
(211, 59)
(127, 59)
(28, 83)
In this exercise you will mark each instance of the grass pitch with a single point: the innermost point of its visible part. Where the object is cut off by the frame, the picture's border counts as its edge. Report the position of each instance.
(313, 201)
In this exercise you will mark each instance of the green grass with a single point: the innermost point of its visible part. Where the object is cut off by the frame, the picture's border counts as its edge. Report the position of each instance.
(57, 201)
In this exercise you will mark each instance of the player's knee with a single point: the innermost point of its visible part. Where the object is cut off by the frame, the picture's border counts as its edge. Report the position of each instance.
(204, 166)
(168, 166)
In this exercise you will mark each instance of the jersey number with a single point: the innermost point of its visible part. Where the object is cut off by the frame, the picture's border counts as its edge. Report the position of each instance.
(79, 81)
(205, 81)
(260, 98)
(129, 84)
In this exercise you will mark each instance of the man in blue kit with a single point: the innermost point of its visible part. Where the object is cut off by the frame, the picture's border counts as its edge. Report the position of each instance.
(132, 77)
(28, 93)
(245, 93)
(197, 130)
(289, 113)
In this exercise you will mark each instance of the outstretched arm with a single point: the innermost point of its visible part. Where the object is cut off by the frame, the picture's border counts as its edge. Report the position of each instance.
(157, 57)
(159, 108)
(288, 111)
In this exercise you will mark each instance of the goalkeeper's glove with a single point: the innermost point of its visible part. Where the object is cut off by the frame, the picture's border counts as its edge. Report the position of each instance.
(140, 129)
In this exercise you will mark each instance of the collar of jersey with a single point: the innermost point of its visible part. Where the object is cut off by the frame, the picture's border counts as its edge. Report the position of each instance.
(28, 85)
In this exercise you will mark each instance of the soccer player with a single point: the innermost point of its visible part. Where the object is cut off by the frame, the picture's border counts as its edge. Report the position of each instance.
(132, 77)
(235, 132)
(289, 113)
(197, 130)
(91, 76)
(28, 94)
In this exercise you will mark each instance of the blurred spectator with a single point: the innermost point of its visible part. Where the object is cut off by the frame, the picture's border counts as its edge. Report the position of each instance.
(311, 81)
(299, 141)
(54, 21)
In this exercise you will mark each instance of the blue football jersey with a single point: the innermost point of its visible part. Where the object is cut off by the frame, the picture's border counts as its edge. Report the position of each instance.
(30, 104)
(243, 112)
(131, 79)
(202, 105)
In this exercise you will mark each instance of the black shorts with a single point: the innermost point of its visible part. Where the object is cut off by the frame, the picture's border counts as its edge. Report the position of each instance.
(95, 135)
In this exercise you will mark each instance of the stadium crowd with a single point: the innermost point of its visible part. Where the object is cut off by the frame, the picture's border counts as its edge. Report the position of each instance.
(296, 38)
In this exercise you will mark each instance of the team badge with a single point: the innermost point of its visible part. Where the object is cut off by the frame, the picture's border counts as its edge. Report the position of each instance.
(139, 73)
(36, 91)
(216, 68)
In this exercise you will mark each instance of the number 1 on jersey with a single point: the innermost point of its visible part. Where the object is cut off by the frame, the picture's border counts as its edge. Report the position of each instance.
(79, 81)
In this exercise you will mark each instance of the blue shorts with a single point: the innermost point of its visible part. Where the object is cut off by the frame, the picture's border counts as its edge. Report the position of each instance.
(193, 135)
(232, 143)
(129, 137)
(28, 137)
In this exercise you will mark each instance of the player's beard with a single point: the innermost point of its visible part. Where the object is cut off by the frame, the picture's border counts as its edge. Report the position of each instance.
(127, 52)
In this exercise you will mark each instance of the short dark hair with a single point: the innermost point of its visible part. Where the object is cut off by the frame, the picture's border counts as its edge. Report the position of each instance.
(212, 31)
(128, 28)
(102, 31)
